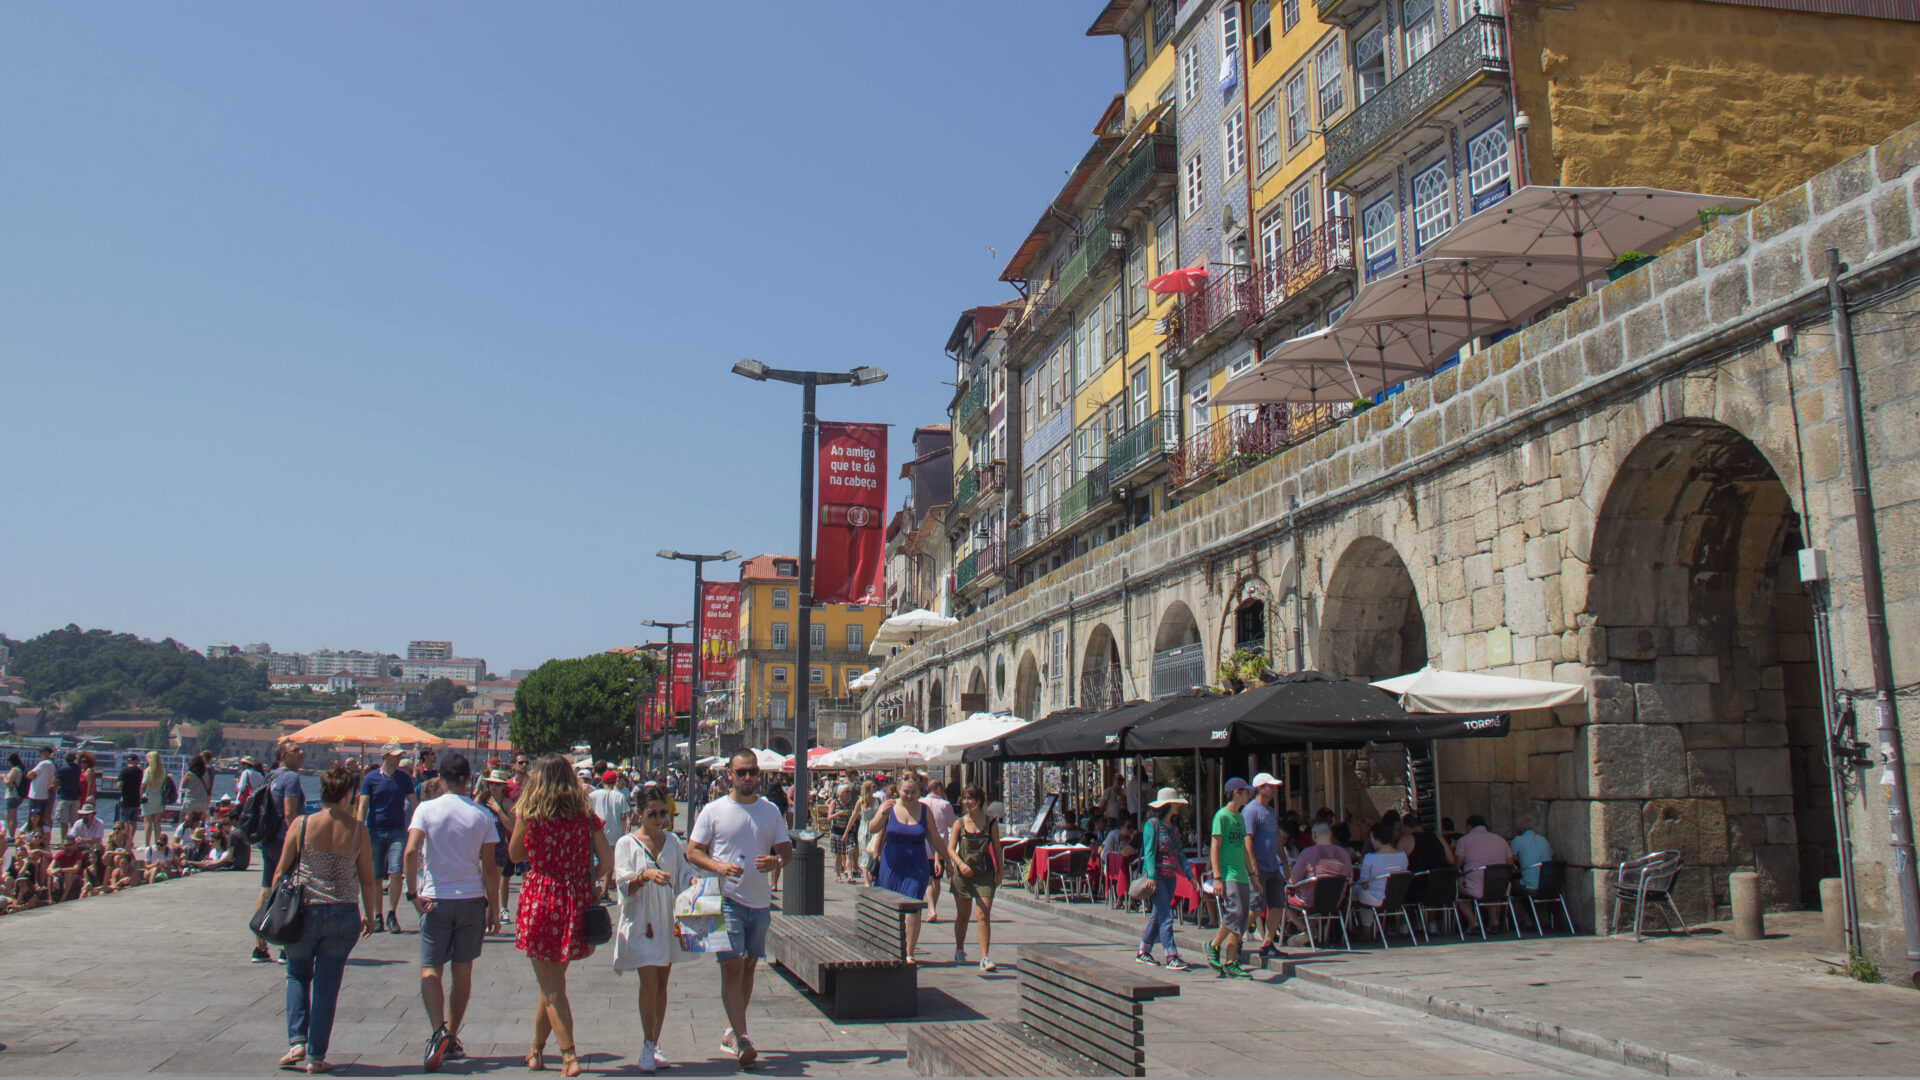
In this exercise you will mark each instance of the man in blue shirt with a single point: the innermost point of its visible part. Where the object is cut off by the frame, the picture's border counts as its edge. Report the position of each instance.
(1530, 849)
(1270, 879)
(386, 805)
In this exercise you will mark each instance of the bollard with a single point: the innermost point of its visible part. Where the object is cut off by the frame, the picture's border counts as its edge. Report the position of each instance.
(1743, 888)
(1833, 905)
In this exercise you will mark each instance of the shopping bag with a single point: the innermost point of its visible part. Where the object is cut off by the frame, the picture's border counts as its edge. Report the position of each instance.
(699, 925)
(700, 898)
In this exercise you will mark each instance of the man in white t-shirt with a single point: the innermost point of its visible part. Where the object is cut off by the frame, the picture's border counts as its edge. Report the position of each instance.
(40, 788)
(88, 829)
(452, 875)
(743, 839)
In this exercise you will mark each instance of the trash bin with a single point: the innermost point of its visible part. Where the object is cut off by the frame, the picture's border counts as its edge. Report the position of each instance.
(803, 887)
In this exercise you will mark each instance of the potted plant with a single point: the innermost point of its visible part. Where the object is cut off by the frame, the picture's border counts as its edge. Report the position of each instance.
(1243, 668)
(1627, 263)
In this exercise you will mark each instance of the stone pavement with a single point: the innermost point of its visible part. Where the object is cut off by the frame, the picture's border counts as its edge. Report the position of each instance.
(1701, 1004)
(156, 980)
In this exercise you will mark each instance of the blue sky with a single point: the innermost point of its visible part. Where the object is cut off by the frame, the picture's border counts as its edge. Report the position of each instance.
(339, 325)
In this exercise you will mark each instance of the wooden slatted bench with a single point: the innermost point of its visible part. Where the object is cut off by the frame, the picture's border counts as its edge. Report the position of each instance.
(1078, 1017)
(858, 965)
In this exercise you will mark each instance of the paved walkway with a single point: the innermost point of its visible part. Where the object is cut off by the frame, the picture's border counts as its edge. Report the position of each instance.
(155, 980)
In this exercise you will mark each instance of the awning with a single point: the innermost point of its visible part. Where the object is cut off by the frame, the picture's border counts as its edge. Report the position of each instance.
(1085, 733)
(907, 627)
(865, 680)
(891, 749)
(1300, 709)
(1587, 227)
(1432, 691)
(1345, 361)
(946, 745)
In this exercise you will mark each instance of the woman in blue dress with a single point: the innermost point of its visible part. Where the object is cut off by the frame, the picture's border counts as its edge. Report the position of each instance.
(908, 849)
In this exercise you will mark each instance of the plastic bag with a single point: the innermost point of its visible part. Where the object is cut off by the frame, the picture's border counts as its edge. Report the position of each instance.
(700, 898)
(699, 924)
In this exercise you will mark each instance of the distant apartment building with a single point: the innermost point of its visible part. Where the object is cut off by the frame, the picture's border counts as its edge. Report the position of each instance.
(461, 669)
(366, 665)
(429, 650)
(222, 651)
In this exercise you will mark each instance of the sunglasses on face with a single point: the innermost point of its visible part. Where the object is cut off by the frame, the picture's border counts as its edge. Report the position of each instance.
(746, 772)
(661, 814)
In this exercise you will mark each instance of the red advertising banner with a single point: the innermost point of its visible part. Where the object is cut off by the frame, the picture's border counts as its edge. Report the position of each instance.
(682, 678)
(719, 629)
(848, 563)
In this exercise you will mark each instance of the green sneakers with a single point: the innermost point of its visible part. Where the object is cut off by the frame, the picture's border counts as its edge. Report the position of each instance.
(1213, 956)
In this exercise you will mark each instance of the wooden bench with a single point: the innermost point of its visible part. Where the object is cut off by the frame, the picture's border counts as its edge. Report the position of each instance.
(860, 964)
(1078, 1017)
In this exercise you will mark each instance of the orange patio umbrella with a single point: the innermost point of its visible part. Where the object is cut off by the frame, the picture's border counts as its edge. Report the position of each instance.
(365, 726)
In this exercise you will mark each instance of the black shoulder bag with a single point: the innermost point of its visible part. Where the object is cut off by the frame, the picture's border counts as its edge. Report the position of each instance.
(280, 917)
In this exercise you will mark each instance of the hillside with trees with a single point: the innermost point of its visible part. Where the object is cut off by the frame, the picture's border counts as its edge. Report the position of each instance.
(80, 674)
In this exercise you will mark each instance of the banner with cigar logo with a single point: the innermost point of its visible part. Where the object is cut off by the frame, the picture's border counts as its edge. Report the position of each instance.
(849, 544)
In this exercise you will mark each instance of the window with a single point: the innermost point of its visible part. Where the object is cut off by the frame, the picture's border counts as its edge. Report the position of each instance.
(1370, 62)
(1057, 670)
(1339, 204)
(1197, 412)
(1272, 228)
(1259, 27)
(1136, 52)
(1195, 187)
(1162, 22)
(1298, 122)
(1233, 144)
(1137, 276)
(1289, 14)
(1081, 458)
(1488, 165)
(1300, 213)
(1332, 90)
(1240, 363)
(1432, 205)
(1190, 73)
(1423, 27)
(1170, 392)
(1081, 354)
(778, 635)
(1140, 396)
(817, 676)
(1266, 135)
(1376, 235)
(1164, 242)
(817, 636)
(1337, 310)
(777, 675)
(1230, 43)
(855, 633)
(781, 599)
(1116, 324)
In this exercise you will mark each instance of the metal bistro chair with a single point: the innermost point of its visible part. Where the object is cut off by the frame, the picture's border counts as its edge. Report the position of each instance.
(1394, 902)
(1326, 904)
(1648, 879)
(1078, 869)
(1549, 890)
(1440, 892)
(1115, 874)
(1496, 891)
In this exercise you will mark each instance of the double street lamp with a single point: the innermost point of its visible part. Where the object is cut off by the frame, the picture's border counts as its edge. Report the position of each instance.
(807, 381)
(699, 699)
(667, 697)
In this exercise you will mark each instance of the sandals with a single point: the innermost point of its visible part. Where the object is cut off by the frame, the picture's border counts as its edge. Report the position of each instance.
(537, 1059)
(317, 1067)
(295, 1056)
(569, 1062)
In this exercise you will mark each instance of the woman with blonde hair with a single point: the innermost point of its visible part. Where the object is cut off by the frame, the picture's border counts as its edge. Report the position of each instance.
(154, 784)
(564, 844)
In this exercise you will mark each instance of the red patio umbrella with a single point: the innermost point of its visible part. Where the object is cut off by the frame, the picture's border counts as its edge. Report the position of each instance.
(1184, 280)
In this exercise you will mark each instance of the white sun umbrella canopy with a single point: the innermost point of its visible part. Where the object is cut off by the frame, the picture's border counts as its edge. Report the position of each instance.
(943, 746)
(1479, 295)
(905, 628)
(1432, 691)
(865, 680)
(880, 751)
(769, 760)
(1343, 362)
(1588, 227)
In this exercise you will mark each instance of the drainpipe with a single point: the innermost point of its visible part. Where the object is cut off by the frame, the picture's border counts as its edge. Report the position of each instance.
(1126, 628)
(1299, 594)
(1073, 680)
(1894, 778)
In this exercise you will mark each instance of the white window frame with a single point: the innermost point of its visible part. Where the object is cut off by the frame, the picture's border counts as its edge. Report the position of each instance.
(1368, 48)
(1489, 159)
(817, 633)
(1299, 116)
(1170, 392)
(816, 676)
(1331, 74)
(1240, 364)
(777, 674)
(1233, 144)
(1229, 41)
(777, 635)
(1377, 223)
(1140, 384)
(1266, 134)
(1338, 204)
(1421, 22)
(1190, 73)
(1300, 213)
(856, 637)
(782, 599)
(1273, 232)
(1198, 410)
(1166, 241)
(1289, 14)
(1432, 204)
(1193, 187)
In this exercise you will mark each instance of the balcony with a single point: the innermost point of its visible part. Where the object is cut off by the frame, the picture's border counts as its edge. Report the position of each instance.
(1478, 48)
(1026, 533)
(964, 489)
(1236, 442)
(1085, 496)
(1325, 250)
(1042, 303)
(1148, 169)
(973, 403)
(964, 573)
(1143, 447)
(1210, 315)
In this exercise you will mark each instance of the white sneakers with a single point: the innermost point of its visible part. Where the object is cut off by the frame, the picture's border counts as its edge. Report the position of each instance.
(649, 1059)
(987, 964)
(740, 1047)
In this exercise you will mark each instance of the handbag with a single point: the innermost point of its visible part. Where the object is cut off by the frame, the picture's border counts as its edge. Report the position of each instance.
(1142, 889)
(596, 923)
(281, 917)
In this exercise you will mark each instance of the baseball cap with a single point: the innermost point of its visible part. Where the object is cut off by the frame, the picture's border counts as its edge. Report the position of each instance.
(392, 749)
(1237, 784)
(1263, 779)
(609, 777)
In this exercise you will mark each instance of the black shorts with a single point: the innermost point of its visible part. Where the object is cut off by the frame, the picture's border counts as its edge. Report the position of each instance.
(269, 862)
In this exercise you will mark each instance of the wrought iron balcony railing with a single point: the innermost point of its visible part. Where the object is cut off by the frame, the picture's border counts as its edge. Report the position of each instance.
(973, 403)
(1143, 442)
(1216, 305)
(1478, 47)
(1319, 253)
(1154, 161)
(964, 489)
(1042, 301)
(1244, 439)
(1085, 494)
(1031, 529)
(963, 574)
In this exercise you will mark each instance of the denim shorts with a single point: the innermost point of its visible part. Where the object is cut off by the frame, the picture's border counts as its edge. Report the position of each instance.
(389, 851)
(746, 930)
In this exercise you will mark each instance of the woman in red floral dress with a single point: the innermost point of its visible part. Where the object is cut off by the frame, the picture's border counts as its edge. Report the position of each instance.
(560, 838)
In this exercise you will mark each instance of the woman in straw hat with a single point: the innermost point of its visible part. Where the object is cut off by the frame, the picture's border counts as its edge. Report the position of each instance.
(1162, 860)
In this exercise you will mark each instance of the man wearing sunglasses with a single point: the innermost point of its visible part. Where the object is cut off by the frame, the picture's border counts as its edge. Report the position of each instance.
(743, 839)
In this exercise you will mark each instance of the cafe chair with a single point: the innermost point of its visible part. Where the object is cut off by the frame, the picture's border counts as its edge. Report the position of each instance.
(1073, 871)
(1326, 903)
(1496, 891)
(1440, 892)
(1393, 905)
(1647, 880)
(1550, 890)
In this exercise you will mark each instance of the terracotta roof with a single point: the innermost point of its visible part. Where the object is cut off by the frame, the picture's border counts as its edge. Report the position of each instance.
(1110, 17)
(761, 568)
(116, 725)
(253, 734)
(1058, 217)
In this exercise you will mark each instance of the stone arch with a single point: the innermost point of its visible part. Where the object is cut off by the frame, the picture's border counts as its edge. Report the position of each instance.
(1248, 621)
(1026, 688)
(977, 683)
(936, 706)
(1102, 680)
(1179, 656)
(1707, 733)
(1371, 625)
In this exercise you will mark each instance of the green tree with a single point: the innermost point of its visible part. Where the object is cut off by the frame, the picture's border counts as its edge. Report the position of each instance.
(437, 698)
(156, 738)
(212, 735)
(460, 727)
(592, 700)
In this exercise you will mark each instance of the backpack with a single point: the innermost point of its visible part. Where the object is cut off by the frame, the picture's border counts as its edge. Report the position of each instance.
(260, 816)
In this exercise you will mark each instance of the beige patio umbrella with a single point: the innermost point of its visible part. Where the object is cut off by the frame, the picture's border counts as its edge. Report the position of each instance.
(1587, 227)
(1345, 361)
(1481, 294)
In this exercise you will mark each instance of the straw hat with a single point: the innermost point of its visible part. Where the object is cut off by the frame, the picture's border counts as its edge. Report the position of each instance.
(1169, 797)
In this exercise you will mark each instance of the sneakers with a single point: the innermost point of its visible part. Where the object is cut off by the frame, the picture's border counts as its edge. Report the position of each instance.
(282, 958)
(1233, 970)
(1268, 952)
(260, 955)
(959, 956)
(393, 923)
(648, 1062)
(1213, 956)
(739, 1046)
(437, 1048)
(1145, 958)
(660, 1060)
(454, 1050)
(1174, 963)
(987, 965)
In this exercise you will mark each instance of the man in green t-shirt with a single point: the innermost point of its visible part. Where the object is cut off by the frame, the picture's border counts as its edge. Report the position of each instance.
(1232, 854)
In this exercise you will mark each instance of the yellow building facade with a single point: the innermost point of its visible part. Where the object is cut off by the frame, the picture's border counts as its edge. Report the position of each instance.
(766, 678)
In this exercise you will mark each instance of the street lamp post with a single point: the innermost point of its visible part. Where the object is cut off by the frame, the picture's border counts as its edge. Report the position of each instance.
(667, 697)
(802, 713)
(699, 627)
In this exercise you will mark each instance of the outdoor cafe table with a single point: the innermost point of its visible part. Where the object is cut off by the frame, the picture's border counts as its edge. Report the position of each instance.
(1043, 858)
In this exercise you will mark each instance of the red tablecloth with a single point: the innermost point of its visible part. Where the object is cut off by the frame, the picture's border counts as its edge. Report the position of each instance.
(1043, 856)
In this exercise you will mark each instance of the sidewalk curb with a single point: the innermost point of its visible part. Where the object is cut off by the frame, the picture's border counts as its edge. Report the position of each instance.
(1604, 1047)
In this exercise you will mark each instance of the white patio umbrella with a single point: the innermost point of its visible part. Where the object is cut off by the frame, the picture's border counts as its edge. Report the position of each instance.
(905, 628)
(880, 751)
(1343, 362)
(1588, 227)
(1480, 294)
(769, 760)
(943, 746)
(1432, 691)
(865, 680)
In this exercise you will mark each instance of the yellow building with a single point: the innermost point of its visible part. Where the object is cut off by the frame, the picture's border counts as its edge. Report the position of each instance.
(765, 680)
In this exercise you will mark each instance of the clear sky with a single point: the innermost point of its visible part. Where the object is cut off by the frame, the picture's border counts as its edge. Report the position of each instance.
(345, 324)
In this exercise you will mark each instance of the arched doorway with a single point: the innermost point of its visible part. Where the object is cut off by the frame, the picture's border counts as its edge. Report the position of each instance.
(1706, 712)
(1371, 627)
(1179, 659)
(1102, 682)
(936, 707)
(1026, 688)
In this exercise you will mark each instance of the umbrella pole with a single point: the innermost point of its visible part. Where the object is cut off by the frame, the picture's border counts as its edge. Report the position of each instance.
(1308, 809)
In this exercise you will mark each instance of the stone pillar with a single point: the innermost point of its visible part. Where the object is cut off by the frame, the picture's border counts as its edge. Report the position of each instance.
(1833, 907)
(1743, 887)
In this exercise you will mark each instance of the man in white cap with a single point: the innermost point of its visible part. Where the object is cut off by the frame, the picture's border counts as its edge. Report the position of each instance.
(1269, 878)
(88, 829)
(387, 799)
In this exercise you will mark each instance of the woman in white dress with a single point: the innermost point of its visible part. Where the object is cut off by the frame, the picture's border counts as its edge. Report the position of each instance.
(650, 868)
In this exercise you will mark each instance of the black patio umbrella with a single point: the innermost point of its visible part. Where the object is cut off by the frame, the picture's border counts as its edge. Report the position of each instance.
(1301, 709)
(995, 749)
(1083, 733)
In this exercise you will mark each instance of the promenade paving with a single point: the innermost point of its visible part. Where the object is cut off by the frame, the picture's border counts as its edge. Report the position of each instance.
(156, 981)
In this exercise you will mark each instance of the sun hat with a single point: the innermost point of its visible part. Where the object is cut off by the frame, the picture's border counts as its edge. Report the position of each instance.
(1169, 796)
(1261, 780)
(86, 807)
(392, 749)
(498, 776)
